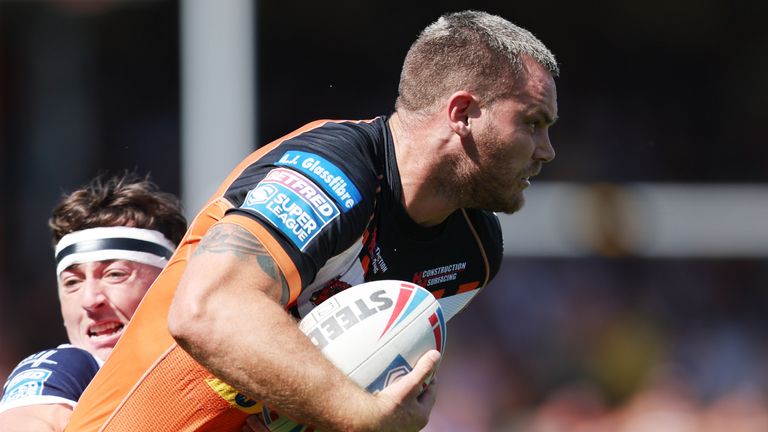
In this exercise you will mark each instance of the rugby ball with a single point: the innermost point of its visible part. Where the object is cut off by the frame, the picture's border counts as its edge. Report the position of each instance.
(374, 332)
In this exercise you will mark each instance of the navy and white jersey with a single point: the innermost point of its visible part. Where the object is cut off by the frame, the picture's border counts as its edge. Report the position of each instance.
(55, 376)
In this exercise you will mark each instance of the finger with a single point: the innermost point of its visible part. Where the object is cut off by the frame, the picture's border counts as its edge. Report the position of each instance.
(425, 368)
(430, 387)
(411, 384)
(428, 397)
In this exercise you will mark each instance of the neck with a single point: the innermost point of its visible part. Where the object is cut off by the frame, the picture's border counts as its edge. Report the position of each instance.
(419, 150)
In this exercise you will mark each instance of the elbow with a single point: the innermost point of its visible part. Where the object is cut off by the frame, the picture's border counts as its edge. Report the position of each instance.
(185, 318)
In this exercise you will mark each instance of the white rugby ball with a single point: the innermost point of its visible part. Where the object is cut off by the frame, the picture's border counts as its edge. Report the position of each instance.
(374, 332)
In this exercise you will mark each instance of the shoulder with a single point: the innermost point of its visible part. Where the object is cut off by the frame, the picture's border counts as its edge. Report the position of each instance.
(63, 357)
(344, 130)
(56, 375)
(350, 146)
(336, 139)
(336, 155)
(313, 192)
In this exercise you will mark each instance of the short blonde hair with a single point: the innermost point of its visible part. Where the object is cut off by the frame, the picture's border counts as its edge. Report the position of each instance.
(472, 51)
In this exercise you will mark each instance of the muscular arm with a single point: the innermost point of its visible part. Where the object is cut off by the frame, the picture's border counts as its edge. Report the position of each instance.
(38, 418)
(227, 315)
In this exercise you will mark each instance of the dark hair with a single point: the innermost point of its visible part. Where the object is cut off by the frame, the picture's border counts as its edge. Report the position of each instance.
(126, 200)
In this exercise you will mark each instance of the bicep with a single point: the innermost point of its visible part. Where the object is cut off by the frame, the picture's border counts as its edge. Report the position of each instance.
(228, 268)
(229, 255)
(48, 417)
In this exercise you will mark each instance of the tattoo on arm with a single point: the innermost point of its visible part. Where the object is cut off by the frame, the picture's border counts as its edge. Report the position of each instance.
(230, 238)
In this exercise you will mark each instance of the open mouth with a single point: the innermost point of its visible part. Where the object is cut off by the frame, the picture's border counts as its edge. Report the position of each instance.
(527, 179)
(105, 329)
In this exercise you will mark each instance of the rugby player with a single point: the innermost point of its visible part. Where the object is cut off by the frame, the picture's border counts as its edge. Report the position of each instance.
(112, 238)
(409, 196)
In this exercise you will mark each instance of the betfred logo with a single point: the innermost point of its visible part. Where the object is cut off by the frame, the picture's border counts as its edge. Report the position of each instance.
(304, 188)
(293, 204)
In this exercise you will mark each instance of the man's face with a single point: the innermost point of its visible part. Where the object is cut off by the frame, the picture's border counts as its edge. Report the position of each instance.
(511, 139)
(99, 298)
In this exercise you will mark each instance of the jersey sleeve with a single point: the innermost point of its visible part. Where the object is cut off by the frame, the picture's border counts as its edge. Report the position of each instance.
(49, 377)
(310, 198)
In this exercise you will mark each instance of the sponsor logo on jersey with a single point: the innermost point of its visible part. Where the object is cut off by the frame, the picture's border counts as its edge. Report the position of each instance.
(293, 204)
(235, 399)
(374, 262)
(378, 265)
(396, 370)
(347, 317)
(26, 384)
(326, 174)
(438, 275)
(260, 195)
(244, 401)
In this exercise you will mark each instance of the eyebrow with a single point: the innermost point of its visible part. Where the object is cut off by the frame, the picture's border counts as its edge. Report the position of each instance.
(543, 114)
(76, 266)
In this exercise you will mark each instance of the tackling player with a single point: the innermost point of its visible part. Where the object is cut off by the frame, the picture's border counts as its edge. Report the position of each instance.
(112, 238)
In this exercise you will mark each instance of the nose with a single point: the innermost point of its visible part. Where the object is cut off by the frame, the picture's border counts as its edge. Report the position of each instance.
(544, 151)
(93, 295)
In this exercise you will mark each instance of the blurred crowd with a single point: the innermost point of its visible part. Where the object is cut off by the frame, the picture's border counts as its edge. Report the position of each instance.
(625, 345)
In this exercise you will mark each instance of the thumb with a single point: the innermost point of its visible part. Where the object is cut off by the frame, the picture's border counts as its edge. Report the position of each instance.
(413, 382)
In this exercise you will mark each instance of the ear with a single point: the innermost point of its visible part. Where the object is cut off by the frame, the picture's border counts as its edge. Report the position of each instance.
(461, 105)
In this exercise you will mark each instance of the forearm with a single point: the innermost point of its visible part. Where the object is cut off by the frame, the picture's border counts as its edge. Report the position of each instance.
(226, 314)
(270, 360)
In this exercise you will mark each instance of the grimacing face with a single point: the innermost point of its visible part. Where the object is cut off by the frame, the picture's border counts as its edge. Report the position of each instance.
(512, 142)
(98, 299)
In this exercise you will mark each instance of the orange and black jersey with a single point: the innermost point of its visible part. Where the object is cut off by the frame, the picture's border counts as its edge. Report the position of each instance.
(326, 202)
(316, 193)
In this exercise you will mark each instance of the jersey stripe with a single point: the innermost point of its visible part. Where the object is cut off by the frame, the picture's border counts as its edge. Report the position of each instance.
(481, 247)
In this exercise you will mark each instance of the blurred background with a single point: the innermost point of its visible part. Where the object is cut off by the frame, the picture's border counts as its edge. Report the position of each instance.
(632, 296)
